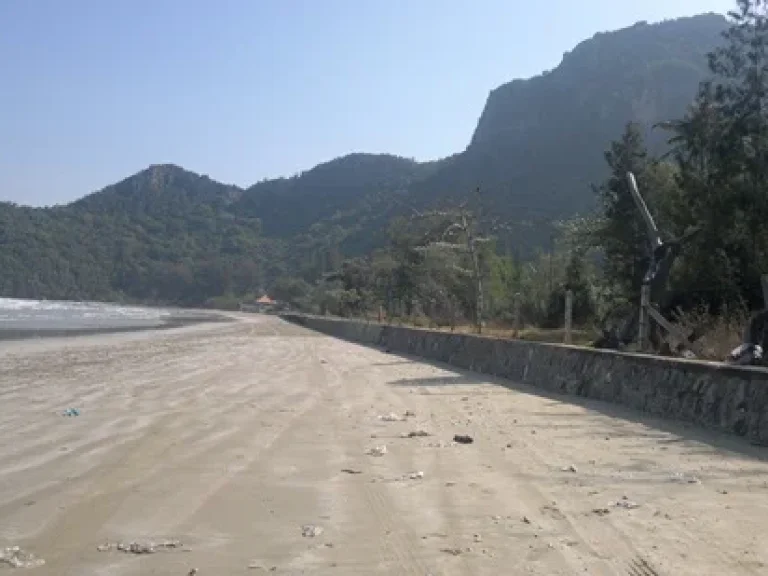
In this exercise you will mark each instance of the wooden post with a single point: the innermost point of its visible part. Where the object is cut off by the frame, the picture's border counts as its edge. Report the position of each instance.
(764, 283)
(645, 302)
(568, 315)
(516, 315)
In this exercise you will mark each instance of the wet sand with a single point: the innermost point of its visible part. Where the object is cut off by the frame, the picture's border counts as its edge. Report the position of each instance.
(231, 437)
(175, 320)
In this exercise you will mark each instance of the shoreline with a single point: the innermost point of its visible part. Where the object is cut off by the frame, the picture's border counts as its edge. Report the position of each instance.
(174, 321)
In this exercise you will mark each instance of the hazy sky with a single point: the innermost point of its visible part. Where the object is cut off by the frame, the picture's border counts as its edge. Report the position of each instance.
(92, 91)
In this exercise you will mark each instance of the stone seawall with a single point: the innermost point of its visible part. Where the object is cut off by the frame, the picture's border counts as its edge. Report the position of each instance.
(727, 398)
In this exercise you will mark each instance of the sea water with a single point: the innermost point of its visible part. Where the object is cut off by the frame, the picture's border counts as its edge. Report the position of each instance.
(44, 315)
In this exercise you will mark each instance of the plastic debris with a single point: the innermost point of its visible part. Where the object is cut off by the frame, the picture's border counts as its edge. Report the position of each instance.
(139, 547)
(570, 468)
(463, 439)
(410, 413)
(71, 412)
(416, 434)
(377, 451)
(416, 475)
(390, 417)
(351, 471)
(310, 530)
(601, 511)
(684, 478)
(18, 558)
(745, 355)
(628, 504)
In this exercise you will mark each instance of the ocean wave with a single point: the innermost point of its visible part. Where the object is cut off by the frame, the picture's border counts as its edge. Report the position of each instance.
(57, 313)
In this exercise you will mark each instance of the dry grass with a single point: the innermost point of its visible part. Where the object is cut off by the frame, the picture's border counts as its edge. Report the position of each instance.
(579, 337)
(720, 333)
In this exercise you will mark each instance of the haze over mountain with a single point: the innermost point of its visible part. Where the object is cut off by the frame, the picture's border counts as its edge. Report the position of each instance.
(166, 234)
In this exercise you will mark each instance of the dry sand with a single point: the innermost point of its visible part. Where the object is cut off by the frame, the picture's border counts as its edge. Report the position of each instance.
(230, 438)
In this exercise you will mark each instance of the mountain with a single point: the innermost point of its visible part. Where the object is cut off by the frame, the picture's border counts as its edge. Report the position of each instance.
(169, 235)
(157, 191)
(163, 235)
(289, 206)
(538, 146)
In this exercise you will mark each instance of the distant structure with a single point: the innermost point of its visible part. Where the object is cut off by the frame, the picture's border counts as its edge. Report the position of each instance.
(263, 304)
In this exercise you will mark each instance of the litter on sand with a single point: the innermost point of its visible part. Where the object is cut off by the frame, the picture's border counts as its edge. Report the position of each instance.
(684, 478)
(377, 451)
(71, 412)
(351, 471)
(415, 434)
(628, 504)
(463, 439)
(140, 547)
(416, 475)
(310, 530)
(18, 558)
(390, 417)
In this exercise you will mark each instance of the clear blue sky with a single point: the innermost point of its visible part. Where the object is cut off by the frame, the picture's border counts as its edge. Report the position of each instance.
(92, 91)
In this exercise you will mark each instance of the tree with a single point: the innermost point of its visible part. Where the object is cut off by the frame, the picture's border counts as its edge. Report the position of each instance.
(721, 150)
(504, 281)
(294, 291)
(620, 231)
(741, 69)
(458, 233)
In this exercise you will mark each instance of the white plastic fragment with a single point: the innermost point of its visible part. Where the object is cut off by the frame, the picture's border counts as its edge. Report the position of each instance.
(628, 504)
(392, 417)
(18, 558)
(377, 451)
(311, 530)
(139, 547)
(683, 478)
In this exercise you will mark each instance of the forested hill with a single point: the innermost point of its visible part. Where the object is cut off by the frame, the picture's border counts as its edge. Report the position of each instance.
(289, 206)
(169, 235)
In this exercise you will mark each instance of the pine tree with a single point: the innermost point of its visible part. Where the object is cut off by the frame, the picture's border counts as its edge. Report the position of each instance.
(621, 232)
(721, 150)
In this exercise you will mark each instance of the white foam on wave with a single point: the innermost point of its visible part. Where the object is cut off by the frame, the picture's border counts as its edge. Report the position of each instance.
(14, 309)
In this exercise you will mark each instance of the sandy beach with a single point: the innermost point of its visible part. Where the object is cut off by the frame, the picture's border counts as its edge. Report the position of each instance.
(228, 440)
